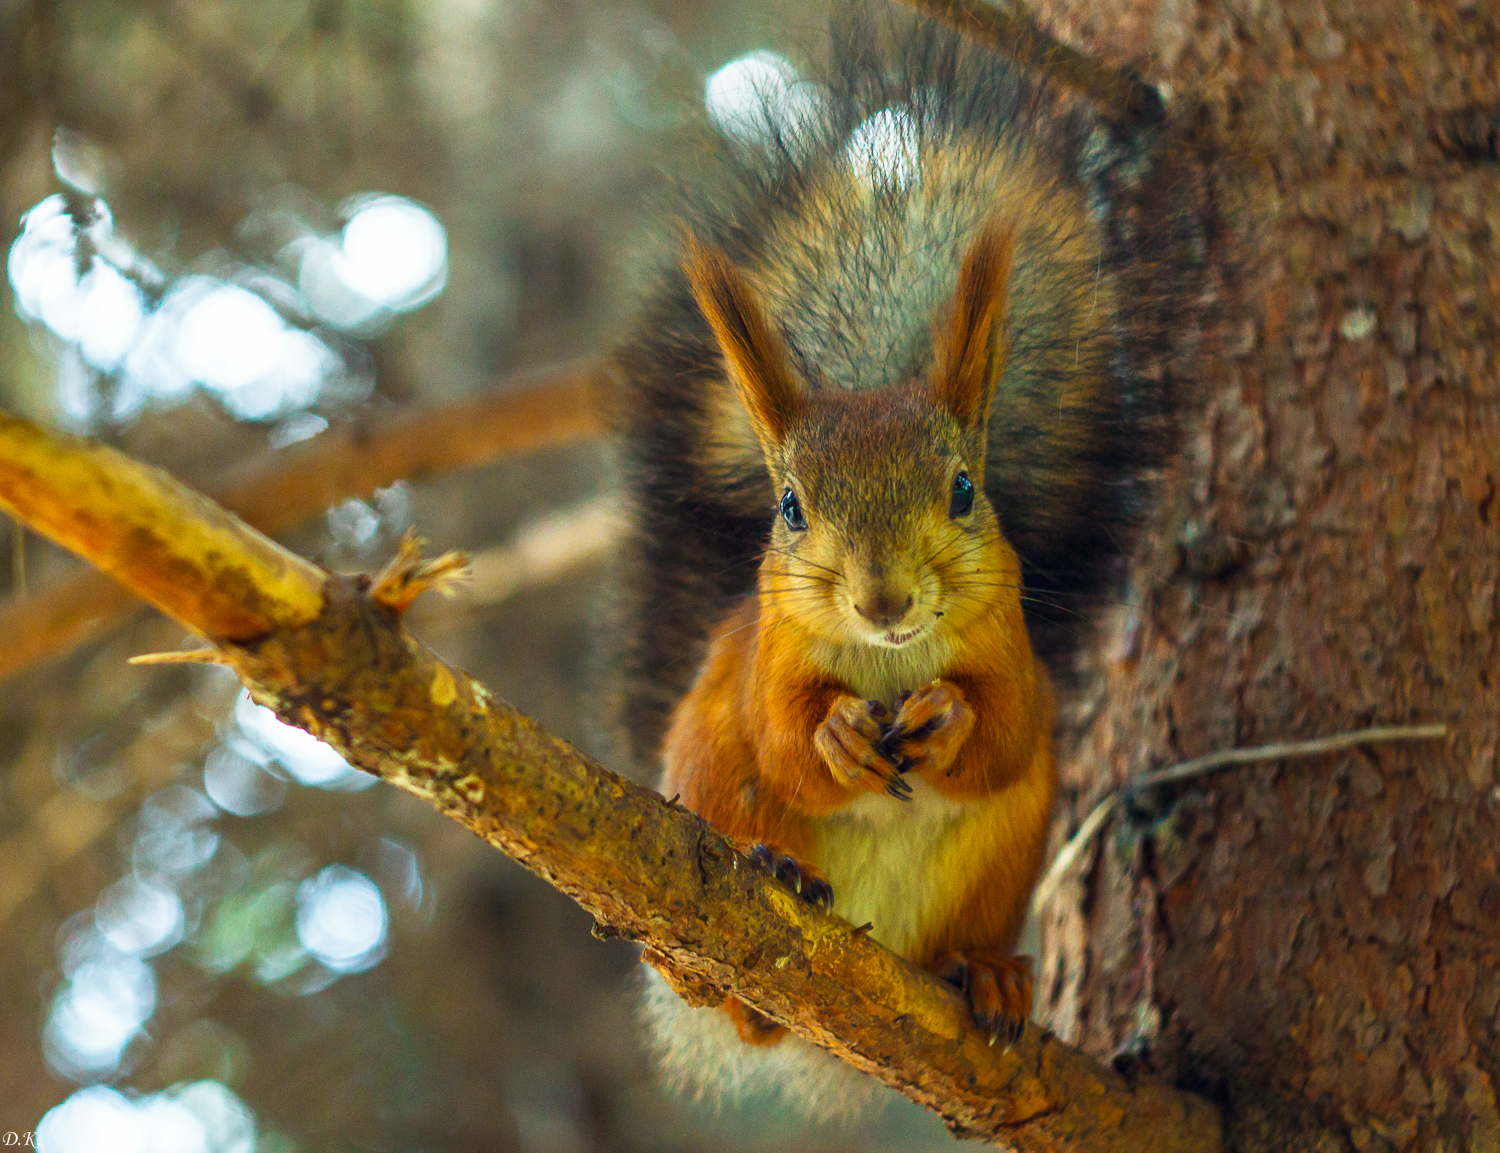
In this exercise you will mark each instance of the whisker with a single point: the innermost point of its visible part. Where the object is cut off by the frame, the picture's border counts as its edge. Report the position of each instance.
(799, 576)
(772, 550)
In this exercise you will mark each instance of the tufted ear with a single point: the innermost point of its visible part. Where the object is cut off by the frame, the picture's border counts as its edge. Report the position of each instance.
(971, 343)
(753, 353)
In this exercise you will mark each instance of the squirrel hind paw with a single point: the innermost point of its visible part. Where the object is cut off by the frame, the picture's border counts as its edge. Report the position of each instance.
(800, 878)
(998, 989)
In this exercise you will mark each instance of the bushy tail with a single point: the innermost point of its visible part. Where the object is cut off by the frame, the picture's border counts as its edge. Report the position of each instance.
(700, 1055)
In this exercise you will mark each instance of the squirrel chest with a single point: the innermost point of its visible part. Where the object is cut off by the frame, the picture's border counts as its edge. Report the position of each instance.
(897, 864)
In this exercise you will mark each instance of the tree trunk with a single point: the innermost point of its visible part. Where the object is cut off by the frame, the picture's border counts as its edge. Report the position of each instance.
(1315, 942)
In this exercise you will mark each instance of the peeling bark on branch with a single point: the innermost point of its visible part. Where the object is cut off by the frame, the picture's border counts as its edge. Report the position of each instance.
(332, 659)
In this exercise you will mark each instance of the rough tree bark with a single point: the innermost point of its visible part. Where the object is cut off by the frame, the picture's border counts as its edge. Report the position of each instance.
(1315, 942)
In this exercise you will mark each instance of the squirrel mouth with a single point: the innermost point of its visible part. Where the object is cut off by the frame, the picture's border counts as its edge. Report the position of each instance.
(896, 638)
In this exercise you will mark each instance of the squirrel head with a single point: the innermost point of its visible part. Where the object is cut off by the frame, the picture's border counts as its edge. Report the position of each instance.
(881, 532)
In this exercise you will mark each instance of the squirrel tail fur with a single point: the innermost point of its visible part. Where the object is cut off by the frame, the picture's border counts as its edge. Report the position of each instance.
(699, 1055)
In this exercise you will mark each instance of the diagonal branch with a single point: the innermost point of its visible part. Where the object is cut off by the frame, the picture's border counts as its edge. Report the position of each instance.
(288, 485)
(328, 653)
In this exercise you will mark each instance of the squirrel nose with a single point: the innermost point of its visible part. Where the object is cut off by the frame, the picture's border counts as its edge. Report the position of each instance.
(884, 608)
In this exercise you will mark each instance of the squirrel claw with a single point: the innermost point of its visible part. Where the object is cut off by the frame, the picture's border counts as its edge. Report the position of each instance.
(998, 989)
(930, 726)
(849, 742)
(889, 746)
(801, 879)
(1011, 1031)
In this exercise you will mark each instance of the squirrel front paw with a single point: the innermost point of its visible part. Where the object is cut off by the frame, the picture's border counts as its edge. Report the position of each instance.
(849, 741)
(930, 727)
(998, 989)
(800, 878)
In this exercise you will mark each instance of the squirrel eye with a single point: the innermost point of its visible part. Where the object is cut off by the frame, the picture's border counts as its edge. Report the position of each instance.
(962, 499)
(791, 512)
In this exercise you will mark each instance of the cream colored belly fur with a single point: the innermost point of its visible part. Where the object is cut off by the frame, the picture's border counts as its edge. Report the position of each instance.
(890, 862)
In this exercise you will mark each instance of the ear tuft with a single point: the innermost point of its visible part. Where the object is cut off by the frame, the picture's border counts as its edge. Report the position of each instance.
(971, 345)
(753, 353)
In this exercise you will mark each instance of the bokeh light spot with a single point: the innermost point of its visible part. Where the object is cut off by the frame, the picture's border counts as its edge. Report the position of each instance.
(173, 837)
(139, 918)
(111, 311)
(97, 1012)
(226, 1122)
(200, 1117)
(240, 785)
(399, 871)
(91, 1120)
(230, 339)
(759, 94)
(170, 1128)
(353, 523)
(341, 919)
(391, 257)
(396, 253)
(304, 756)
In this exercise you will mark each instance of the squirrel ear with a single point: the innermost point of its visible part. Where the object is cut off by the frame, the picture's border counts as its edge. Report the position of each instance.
(971, 345)
(754, 354)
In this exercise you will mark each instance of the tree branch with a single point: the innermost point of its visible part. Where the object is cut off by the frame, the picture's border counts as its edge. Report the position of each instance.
(328, 654)
(284, 487)
(1009, 27)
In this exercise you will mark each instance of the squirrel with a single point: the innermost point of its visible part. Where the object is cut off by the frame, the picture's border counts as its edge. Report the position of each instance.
(884, 424)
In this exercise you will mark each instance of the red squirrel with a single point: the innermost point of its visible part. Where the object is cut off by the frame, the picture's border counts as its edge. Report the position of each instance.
(884, 424)
(882, 674)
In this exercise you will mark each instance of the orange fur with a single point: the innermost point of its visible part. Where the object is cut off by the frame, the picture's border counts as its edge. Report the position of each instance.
(741, 753)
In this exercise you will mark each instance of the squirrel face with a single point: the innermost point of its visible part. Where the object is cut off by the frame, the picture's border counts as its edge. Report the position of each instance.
(883, 532)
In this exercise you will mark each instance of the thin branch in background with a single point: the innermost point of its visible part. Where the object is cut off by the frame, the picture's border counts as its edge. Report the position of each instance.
(326, 656)
(18, 560)
(222, 66)
(1198, 766)
(289, 485)
(1009, 27)
(536, 410)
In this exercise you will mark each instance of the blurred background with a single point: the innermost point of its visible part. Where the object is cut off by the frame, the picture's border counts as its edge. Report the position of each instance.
(231, 227)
